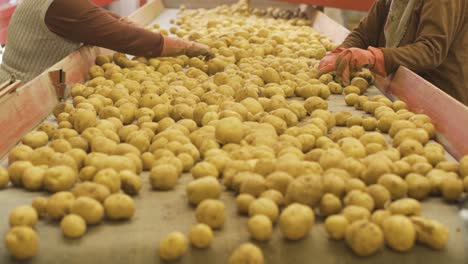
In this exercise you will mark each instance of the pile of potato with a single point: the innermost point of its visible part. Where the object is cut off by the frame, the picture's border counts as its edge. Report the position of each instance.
(255, 121)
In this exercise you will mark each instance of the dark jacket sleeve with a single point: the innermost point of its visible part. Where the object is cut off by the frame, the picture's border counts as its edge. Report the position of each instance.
(83, 22)
(369, 29)
(436, 32)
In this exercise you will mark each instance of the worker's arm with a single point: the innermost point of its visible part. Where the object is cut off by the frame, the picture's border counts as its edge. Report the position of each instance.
(83, 22)
(436, 32)
(369, 29)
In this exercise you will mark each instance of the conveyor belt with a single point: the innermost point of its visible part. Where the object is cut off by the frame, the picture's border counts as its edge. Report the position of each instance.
(159, 213)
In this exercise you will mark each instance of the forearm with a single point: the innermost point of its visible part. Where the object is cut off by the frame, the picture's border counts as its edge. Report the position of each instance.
(80, 21)
(431, 47)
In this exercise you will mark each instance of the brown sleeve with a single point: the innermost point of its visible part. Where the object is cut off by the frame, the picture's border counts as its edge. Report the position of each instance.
(436, 32)
(369, 29)
(81, 21)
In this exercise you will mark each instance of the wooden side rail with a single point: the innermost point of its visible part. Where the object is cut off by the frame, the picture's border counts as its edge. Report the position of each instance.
(449, 115)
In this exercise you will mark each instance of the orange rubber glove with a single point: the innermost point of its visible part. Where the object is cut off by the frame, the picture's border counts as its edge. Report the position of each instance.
(343, 61)
(176, 47)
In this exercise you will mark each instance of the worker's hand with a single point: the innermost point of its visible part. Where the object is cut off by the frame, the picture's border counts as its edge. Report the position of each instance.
(343, 61)
(176, 47)
(198, 49)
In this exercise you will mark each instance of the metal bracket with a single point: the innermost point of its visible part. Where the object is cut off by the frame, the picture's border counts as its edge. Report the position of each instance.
(58, 81)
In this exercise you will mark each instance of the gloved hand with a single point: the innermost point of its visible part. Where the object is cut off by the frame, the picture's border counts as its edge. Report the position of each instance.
(343, 61)
(175, 47)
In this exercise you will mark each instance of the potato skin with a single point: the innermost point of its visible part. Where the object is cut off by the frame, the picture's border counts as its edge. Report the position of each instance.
(295, 221)
(364, 238)
(399, 233)
(247, 253)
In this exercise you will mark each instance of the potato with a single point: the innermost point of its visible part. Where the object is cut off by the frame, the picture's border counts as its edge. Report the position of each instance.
(379, 194)
(431, 233)
(329, 204)
(73, 226)
(273, 195)
(254, 185)
(93, 190)
(229, 130)
(336, 226)
(164, 177)
(342, 117)
(451, 188)
(201, 236)
(409, 147)
(202, 189)
(131, 183)
(354, 121)
(40, 205)
(19, 153)
(22, 242)
(173, 246)
(59, 178)
(35, 139)
(87, 173)
(109, 178)
(89, 209)
(23, 216)
(48, 127)
(379, 216)
(211, 212)
(295, 221)
(247, 253)
(243, 202)
(119, 206)
(419, 186)
(397, 187)
(351, 98)
(399, 233)
(354, 213)
(405, 206)
(400, 125)
(351, 89)
(59, 204)
(204, 169)
(447, 166)
(334, 184)
(330, 158)
(83, 119)
(16, 171)
(364, 238)
(306, 189)
(359, 198)
(335, 88)
(33, 178)
(355, 184)
(463, 167)
(260, 227)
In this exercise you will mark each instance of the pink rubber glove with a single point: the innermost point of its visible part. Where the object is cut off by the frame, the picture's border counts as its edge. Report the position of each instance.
(176, 47)
(343, 61)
